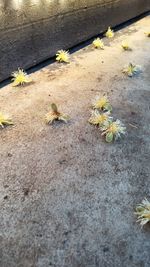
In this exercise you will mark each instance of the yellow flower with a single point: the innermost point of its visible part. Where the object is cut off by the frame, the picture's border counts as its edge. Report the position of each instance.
(143, 212)
(147, 34)
(99, 118)
(126, 46)
(132, 70)
(62, 56)
(5, 120)
(20, 77)
(55, 115)
(109, 33)
(98, 43)
(102, 104)
(113, 130)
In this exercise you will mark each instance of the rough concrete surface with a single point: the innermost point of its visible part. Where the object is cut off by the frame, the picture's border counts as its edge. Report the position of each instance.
(67, 198)
(33, 30)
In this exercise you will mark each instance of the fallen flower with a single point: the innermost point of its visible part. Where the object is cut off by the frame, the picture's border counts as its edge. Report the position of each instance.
(5, 120)
(126, 46)
(132, 70)
(62, 56)
(143, 212)
(20, 77)
(109, 33)
(113, 130)
(102, 104)
(98, 43)
(147, 34)
(99, 118)
(55, 115)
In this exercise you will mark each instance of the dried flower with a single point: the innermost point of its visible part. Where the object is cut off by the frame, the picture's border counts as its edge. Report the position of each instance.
(5, 120)
(113, 130)
(98, 43)
(102, 104)
(109, 33)
(126, 46)
(132, 70)
(99, 118)
(143, 212)
(20, 77)
(55, 115)
(62, 56)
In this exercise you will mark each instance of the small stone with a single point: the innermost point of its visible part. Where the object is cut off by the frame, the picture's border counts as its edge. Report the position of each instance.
(105, 249)
(26, 191)
(9, 155)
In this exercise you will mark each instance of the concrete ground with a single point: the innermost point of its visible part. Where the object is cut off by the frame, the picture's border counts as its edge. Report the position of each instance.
(67, 198)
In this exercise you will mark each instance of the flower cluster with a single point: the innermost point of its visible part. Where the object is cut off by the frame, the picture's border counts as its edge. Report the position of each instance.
(5, 120)
(113, 130)
(109, 33)
(143, 212)
(54, 114)
(20, 77)
(102, 104)
(126, 46)
(98, 43)
(98, 118)
(131, 70)
(101, 117)
(62, 56)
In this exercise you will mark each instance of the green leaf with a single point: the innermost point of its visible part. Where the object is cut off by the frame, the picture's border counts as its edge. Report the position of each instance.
(109, 137)
(108, 107)
(54, 107)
